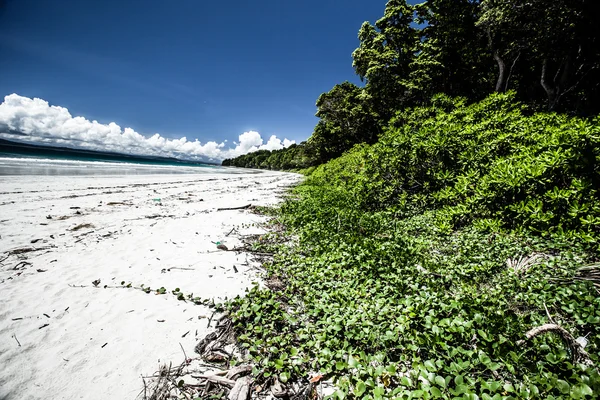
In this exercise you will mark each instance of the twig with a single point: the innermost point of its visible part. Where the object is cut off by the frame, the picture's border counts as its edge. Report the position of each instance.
(23, 264)
(220, 380)
(548, 314)
(235, 208)
(210, 319)
(145, 392)
(232, 229)
(15, 336)
(185, 355)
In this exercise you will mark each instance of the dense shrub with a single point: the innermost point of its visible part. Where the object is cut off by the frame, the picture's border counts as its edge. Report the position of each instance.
(399, 285)
(488, 163)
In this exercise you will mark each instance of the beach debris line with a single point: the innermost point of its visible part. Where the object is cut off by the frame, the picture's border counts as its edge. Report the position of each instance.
(239, 382)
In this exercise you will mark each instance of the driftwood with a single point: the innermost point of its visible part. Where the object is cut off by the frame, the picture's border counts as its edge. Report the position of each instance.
(278, 390)
(241, 389)
(235, 208)
(239, 370)
(577, 352)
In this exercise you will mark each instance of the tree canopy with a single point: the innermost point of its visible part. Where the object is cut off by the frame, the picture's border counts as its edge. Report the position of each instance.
(546, 51)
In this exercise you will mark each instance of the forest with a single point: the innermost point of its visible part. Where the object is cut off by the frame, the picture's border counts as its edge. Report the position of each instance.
(446, 240)
(546, 52)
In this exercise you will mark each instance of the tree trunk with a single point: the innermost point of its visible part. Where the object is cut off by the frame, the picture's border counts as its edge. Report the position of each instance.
(549, 87)
(500, 83)
(512, 67)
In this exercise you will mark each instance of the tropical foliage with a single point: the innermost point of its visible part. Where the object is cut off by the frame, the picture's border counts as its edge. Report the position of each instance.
(422, 261)
(295, 157)
(455, 210)
(546, 51)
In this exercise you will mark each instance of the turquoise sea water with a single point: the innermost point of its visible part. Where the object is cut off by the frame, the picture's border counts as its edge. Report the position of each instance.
(19, 164)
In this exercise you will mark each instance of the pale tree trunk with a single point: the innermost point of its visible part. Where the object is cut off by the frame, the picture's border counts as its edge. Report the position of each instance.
(551, 90)
(500, 83)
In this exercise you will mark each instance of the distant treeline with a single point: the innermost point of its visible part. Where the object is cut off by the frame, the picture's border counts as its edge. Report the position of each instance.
(294, 157)
(546, 52)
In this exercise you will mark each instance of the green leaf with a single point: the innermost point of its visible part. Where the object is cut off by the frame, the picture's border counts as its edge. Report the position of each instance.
(284, 377)
(406, 381)
(430, 366)
(352, 363)
(440, 381)
(563, 386)
(581, 390)
(279, 363)
(360, 389)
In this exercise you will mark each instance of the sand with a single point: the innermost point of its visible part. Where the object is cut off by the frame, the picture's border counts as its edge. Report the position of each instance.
(63, 338)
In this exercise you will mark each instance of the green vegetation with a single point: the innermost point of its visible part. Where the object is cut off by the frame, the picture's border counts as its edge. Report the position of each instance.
(452, 204)
(400, 284)
(294, 157)
(546, 52)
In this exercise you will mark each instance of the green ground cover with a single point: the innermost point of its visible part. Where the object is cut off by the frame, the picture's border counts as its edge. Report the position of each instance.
(420, 262)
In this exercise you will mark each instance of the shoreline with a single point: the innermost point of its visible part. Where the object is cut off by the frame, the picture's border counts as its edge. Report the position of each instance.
(63, 336)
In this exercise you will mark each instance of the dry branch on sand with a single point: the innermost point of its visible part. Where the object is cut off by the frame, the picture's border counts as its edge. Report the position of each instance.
(235, 208)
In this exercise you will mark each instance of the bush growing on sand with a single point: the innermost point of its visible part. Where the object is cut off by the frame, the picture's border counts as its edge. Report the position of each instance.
(425, 259)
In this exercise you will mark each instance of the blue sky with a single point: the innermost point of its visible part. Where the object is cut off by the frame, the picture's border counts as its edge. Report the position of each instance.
(206, 70)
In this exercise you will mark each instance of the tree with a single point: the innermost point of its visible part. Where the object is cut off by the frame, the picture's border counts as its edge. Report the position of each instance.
(385, 55)
(453, 49)
(557, 38)
(347, 118)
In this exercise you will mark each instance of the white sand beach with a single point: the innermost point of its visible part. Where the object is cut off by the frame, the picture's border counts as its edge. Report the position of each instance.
(59, 340)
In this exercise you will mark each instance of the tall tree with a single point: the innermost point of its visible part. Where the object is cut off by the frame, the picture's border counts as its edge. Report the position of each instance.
(347, 118)
(558, 38)
(450, 36)
(385, 55)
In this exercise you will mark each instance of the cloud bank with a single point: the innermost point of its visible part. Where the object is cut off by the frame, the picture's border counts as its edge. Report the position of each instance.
(35, 121)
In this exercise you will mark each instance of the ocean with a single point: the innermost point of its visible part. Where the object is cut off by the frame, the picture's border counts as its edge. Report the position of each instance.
(24, 165)
(18, 158)
(75, 165)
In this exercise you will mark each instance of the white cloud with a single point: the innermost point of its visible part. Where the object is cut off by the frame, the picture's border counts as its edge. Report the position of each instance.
(43, 123)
